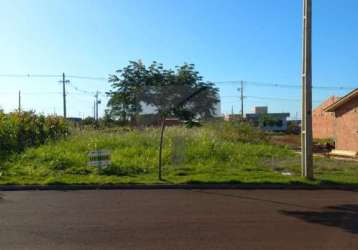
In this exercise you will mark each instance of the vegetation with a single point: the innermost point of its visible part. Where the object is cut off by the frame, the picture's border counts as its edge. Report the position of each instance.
(181, 94)
(19, 131)
(229, 152)
(162, 89)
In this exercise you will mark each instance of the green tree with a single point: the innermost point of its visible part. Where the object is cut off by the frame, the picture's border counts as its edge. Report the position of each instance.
(170, 88)
(163, 89)
(127, 83)
(181, 93)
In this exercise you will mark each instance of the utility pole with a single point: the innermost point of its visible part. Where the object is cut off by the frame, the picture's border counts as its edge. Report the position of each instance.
(94, 110)
(242, 99)
(97, 101)
(241, 89)
(306, 130)
(64, 81)
(19, 108)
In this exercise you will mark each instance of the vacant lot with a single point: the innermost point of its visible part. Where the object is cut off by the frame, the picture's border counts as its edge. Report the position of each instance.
(214, 153)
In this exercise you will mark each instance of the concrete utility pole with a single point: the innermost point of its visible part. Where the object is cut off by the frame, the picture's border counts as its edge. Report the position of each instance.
(241, 89)
(97, 101)
(64, 81)
(306, 130)
(94, 109)
(242, 99)
(19, 108)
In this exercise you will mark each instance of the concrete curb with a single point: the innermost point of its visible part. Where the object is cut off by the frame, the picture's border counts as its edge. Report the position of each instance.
(178, 186)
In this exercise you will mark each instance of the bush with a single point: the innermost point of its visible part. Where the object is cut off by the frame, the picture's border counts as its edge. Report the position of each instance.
(238, 131)
(26, 129)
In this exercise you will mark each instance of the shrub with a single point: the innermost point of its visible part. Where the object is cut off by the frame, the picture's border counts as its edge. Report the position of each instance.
(238, 131)
(26, 129)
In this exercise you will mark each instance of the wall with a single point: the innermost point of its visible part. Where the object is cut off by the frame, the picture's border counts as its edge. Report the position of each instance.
(323, 122)
(346, 126)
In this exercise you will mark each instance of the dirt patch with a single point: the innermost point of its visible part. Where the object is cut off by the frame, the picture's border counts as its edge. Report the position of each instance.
(292, 141)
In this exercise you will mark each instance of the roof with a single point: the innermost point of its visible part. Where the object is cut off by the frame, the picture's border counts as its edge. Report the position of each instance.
(269, 114)
(326, 103)
(342, 101)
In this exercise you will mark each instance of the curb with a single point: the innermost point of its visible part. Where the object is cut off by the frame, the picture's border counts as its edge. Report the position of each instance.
(178, 186)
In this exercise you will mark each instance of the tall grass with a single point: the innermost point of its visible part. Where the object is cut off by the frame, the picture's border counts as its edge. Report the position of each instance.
(205, 153)
(214, 153)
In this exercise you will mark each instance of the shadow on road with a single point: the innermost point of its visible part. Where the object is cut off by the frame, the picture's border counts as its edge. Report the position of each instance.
(342, 216)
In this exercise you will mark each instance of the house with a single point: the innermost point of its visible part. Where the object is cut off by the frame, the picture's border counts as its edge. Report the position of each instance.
(345, 128)
(233, 117)
(322, 121)
(294, 126)
(268, 121)
(155, 120)
(149, 115)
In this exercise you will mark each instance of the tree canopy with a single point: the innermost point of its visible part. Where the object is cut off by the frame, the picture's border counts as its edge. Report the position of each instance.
(179, 93)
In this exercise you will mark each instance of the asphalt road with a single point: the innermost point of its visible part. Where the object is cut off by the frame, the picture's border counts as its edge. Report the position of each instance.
(179, 219)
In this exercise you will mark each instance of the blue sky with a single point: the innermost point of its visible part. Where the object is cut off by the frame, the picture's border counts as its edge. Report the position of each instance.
(252, 40)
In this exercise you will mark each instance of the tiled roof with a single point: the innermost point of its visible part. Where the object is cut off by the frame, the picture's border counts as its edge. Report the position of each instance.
(341, 101)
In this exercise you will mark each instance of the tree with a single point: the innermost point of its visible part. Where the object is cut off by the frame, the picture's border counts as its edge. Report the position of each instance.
(169, 88)
(269, 121)
(124, 102)
(88, 121)
(136, 85)
(181, 93)
(179, 111)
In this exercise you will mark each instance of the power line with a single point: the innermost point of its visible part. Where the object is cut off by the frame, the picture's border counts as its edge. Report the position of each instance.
(86, 92)
(256, 83)
(268, 84)
(53, 75)
(270, 98)
(82, 90)
(31, 93)
(29, 75)
(299, 86)
(278, 99)
(95, 78)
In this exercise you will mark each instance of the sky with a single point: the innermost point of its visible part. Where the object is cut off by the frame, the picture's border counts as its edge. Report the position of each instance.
(258, 41)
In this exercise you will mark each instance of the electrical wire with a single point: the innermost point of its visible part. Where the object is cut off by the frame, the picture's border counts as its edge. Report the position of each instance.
(276, 85)
(257, 83)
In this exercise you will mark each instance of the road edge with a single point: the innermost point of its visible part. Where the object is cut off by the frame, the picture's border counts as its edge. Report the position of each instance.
(177, 186)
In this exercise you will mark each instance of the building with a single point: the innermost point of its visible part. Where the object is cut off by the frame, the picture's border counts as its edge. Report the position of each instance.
(261, 110)
(294, 126)
(322, 121)
(268, 121)
(75, 120)
(232, 117)
(149, 114)
(345, 127)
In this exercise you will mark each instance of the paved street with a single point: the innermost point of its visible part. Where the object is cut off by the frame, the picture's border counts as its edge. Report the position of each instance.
(179, 219)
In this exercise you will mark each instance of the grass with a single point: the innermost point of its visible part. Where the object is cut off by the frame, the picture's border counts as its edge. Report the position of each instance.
(215, 153)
